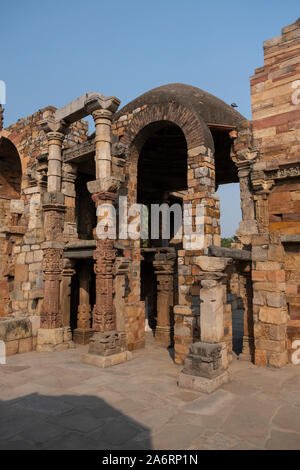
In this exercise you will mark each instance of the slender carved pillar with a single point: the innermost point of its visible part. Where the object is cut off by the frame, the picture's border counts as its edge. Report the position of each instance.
(52, 336)
(248, 226)
(69, 175)
(104, 317)
(165, 323)
(248, 337)
(52, 268)
(55, 140)
(107, 346)
(102, 119)
(65, 291)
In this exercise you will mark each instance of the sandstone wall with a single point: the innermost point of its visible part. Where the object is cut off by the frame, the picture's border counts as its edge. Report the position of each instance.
(275, 95)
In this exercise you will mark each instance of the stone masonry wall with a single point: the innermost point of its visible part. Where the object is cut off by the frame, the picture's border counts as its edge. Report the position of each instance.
(275, 94)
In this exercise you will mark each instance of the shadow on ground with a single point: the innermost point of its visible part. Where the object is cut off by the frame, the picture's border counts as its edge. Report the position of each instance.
(68, 422)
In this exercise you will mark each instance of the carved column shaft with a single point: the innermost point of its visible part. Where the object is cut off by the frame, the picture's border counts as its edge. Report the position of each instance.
(55, 140)
(104, 316)
(65, 291)
(102, 119)
(54, 210)
(84, 308)
(52, 267)
(165, 302)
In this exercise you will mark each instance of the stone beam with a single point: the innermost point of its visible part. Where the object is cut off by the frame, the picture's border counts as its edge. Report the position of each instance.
(85, 105)
(233, 253)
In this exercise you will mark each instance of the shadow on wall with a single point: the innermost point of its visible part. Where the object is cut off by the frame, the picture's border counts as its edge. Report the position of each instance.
(68, 422)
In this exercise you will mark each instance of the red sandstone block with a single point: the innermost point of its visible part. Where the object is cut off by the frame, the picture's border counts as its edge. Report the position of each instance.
(259, 275)
(260, 358)
(25, 345)
(21, 272)
(276, 276)
(276, 120)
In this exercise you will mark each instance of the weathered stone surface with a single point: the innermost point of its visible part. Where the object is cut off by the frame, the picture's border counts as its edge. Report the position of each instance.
(106, 361)
(208, 263)
(203, 360)
(15, 329)
(107, 343)
(52, 336)
(203, 384)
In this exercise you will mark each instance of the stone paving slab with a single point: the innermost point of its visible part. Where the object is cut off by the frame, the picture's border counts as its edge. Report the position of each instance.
(53, 401)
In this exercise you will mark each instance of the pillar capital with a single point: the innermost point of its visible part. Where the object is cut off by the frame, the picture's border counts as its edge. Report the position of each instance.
(101, 115)
(98, 102)
(53, 128)
(244, 168)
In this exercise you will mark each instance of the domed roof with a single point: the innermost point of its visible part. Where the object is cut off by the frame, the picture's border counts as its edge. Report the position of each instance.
(210, 108)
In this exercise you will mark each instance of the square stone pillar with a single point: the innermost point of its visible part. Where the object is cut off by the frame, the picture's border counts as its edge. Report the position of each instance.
(206, 364)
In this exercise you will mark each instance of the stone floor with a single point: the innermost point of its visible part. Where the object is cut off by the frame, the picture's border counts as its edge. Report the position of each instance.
(52, 401)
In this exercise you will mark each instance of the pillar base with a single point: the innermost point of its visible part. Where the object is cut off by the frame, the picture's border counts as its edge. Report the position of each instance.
(164, 335)
(203, 384)
(107, 349)
(54, 339)
(106, 361)
(81, 336)
(203, 368)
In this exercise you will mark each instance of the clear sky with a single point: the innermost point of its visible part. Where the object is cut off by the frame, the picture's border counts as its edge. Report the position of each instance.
(52, 52)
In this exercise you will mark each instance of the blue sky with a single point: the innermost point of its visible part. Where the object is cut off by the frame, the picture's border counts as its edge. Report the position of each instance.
(52, 52)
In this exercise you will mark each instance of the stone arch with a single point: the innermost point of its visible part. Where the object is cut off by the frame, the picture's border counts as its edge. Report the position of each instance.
(10, 170)
(153, 117)
(194, 128)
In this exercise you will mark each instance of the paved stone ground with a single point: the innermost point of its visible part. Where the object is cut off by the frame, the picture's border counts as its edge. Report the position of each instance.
(52, 401)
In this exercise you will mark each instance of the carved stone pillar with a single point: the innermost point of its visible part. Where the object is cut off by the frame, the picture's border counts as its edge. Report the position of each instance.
(52, 268)
(69, 175)
(262, 188)
(102, 119)
(246, 292)
(248, 226)
(65, 290)
(55, 140)
(107, 346)
(121, 270)
(83, 332)
(52, 336)
(164, 271)
(104, 318)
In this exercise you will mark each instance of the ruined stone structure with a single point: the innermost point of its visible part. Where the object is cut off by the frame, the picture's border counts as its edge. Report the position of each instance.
(173, 144)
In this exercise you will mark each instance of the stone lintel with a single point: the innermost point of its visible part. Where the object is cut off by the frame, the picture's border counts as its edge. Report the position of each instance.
(85, 105)
(78, 254)
(233, 253)
(53, 244)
